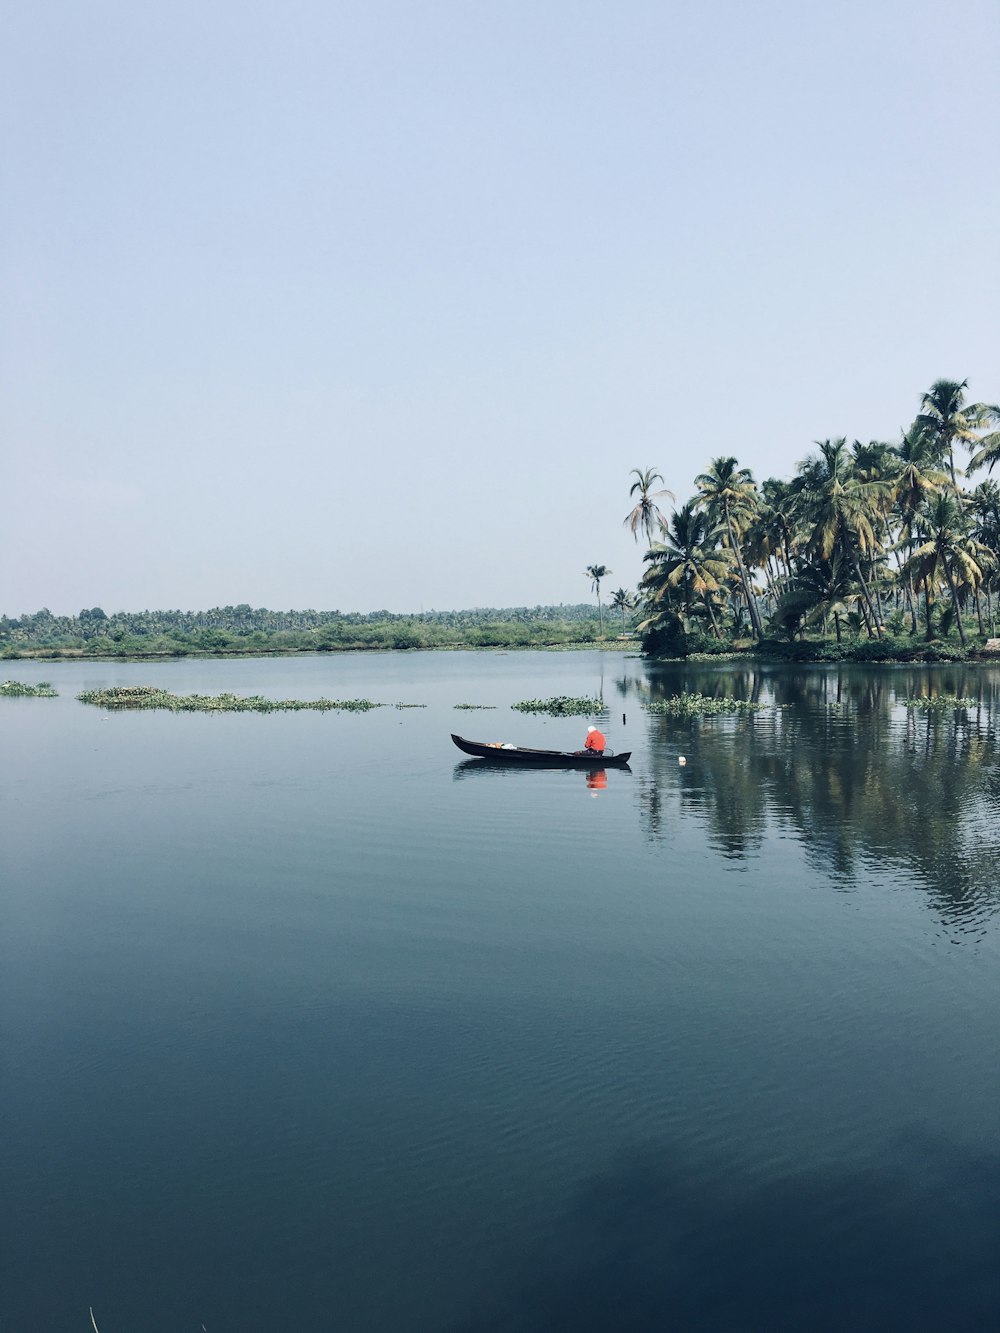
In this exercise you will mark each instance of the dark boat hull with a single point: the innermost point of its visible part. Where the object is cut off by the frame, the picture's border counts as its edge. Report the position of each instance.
(556, 757)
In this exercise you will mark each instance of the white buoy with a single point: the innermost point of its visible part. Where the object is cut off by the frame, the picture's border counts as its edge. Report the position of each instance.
(681, 760)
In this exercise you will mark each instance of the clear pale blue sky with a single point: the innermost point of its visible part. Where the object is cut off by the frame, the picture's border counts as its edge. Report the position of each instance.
(375, 304)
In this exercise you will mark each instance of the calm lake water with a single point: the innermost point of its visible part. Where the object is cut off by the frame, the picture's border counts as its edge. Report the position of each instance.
(307, 1023)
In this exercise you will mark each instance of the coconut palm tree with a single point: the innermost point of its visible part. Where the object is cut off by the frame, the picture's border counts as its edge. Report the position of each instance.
(687, 559)
(595, 573)
(842, 511)
(949, 417)
(916, 476)
(729, 494)
(821, 589)
(622, 600)
(988, 452)
(983, 507)
(645, 515)
(950, 554)
(916, 479)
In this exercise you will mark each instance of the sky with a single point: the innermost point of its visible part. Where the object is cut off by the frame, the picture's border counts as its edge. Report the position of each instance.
(376, 304)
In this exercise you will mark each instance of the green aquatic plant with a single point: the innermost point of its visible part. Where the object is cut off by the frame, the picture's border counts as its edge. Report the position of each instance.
(939, 703)
(475, 708)
(17, 689)
(699, 705)
(149, 696)
(409, 705)
(563, 705)
(715, 657)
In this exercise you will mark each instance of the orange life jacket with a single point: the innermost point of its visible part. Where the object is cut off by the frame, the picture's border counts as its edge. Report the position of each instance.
(595, 741)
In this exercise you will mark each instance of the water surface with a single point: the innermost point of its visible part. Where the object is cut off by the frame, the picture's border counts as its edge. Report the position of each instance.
(307, 1022)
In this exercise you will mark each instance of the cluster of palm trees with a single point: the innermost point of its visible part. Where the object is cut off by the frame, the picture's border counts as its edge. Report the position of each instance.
(621, 599)
(864, 535)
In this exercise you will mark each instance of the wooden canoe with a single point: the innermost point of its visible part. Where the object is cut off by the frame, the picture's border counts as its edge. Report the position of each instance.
(519, 755)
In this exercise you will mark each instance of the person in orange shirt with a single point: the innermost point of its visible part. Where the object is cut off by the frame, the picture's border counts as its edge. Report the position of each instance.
(595, 742)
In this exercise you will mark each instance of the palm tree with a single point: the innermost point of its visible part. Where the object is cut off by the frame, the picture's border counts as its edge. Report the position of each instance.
(778, 519)
(595, 573)
(821, 589)
(729, 492)
(645, 515)
(988, 452)
(950, 554)
(842, 511)
(945, 412)
(686, 559)
(916, 480)
(984, 508)
(917, 477)
(622, 600)
(984, 503)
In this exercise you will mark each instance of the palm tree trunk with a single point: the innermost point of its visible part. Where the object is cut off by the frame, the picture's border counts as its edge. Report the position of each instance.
(751, 604)
(788, 559)
(865, 593)
(911, 598)
(954, 597)
(927, 607)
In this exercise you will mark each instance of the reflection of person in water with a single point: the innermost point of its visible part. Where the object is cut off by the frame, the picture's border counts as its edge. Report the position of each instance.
(595, 741)
(597, 779)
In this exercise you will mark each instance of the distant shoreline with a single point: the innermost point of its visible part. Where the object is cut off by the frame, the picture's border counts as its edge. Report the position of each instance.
(49, 655)
(929, 655)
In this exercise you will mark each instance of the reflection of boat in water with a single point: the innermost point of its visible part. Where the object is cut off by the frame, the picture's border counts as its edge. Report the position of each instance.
(596, 779)
(516, 754)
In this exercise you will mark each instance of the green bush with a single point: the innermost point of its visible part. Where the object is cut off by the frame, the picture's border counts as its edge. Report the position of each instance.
(666, 638)
(935, 651)
(707, 645)
(878, 650)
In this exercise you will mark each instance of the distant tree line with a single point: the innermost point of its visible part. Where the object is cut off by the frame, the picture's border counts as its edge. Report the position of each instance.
(246, 629)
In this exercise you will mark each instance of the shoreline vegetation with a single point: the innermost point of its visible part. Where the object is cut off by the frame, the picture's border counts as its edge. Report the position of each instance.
(681, 645)
(241, 631)
(872, 552)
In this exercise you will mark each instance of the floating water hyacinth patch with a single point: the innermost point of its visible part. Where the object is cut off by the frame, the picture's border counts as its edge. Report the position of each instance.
(17, 689)
(409, 705)
(562, 705)
(700, 705)
(475, 708)
(939, 703)
(148, 696)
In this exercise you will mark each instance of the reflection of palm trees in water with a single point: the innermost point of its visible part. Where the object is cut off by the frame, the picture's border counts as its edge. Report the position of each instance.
(861, 782)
